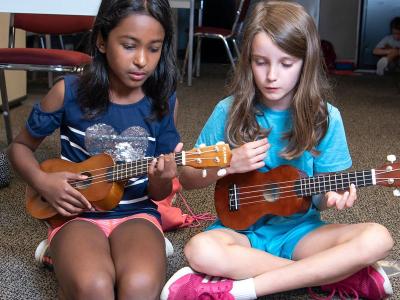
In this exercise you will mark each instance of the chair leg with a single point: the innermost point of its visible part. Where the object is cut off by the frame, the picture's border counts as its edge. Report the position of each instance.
(228, 50)
(5, 107)
(50, 76)
(236, 48)
(183, 72)
(198, 57)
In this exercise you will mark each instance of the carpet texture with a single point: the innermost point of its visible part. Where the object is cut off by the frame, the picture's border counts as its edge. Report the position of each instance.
(370, 108)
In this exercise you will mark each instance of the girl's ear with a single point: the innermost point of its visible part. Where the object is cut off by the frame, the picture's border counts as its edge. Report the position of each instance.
(100, 44)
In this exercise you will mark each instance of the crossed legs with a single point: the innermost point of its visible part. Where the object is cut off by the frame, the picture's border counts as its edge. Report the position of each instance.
(327, 254)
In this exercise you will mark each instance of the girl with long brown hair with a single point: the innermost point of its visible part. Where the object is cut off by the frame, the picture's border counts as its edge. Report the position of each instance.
(278, 114)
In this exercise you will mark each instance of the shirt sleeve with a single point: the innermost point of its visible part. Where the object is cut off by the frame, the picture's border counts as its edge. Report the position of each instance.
(334, 152)
(214, 129)
(42, 124)
(383, 42)
(168, 136)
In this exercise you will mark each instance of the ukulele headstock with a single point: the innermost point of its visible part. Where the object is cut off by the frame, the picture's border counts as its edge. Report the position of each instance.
(389, 174)
(218, 155)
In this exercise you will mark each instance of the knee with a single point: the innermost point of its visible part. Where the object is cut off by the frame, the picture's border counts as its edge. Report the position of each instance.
(376, 242)
(96, 286)
(140, 285)
(203, 253)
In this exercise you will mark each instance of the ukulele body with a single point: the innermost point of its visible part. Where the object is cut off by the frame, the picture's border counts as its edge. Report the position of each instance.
(106, 180)
(259, 194)
(99, 189)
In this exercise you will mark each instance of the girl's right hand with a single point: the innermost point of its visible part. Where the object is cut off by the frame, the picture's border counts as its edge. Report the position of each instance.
(249, 156)
(65, 199)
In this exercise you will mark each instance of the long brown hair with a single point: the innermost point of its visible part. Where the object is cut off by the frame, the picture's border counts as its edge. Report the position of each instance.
(294, 31)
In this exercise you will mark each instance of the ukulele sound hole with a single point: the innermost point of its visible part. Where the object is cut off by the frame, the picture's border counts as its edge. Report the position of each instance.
(83, 184)
(271, 192)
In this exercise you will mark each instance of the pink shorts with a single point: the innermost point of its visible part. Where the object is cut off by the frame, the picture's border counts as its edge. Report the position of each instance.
(107, 225)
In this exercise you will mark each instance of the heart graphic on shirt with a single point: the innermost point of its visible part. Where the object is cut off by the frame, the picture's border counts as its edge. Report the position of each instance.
(130, 145)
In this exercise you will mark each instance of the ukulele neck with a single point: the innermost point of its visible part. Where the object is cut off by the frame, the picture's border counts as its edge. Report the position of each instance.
(126, 170)
(315, 185)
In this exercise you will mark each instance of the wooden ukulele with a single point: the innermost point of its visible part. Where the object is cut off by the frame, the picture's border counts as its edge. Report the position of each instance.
(106, 179)
(241, 199)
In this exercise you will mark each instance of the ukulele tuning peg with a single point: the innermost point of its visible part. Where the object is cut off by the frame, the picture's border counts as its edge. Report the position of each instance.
(201, 146)
(391, 158)
(221, 172)
(396, 193)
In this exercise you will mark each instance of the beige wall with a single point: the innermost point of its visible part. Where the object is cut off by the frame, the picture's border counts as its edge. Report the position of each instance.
(338, 23)
(16, 80)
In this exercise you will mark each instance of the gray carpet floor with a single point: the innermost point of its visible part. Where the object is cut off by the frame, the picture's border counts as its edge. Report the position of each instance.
(370, 107)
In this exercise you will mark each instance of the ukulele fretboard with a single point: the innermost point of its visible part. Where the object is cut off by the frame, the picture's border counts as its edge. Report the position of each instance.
(333, 182)
(126, 170)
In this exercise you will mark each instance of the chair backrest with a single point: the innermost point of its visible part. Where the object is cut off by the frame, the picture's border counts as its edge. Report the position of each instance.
(241, 12)
(48, 24)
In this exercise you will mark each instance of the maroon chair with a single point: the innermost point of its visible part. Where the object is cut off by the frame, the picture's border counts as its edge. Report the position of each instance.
(225, 35)
(40, 59)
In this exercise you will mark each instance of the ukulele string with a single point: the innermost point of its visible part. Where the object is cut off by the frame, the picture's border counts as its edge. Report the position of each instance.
(291, 183)
(194, 153)
(104, 177)
(241, 202)
(142, 167)
(290, 187)
(332, 176)
(378, 172)
(187, 155)
(138, 169)
(329, 178)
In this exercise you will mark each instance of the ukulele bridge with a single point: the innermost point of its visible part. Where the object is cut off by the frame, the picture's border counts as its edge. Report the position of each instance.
(234, 199)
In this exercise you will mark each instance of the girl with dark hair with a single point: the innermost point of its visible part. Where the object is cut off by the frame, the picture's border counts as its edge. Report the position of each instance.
(124, 104)
(278, 115)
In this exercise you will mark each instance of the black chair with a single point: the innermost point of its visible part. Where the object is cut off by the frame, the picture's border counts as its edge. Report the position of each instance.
(223, 34)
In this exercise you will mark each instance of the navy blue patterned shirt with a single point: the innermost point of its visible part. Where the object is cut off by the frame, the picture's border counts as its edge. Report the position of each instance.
(126, 132)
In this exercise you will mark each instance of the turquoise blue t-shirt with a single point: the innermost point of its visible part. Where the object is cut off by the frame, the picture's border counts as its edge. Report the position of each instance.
(334, 154)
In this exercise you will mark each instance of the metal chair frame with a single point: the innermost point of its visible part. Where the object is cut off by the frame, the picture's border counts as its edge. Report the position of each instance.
(232, 36)
(32, 67)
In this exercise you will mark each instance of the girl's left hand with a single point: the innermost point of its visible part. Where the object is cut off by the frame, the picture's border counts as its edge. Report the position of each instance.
(164, 167)
(341, 200)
